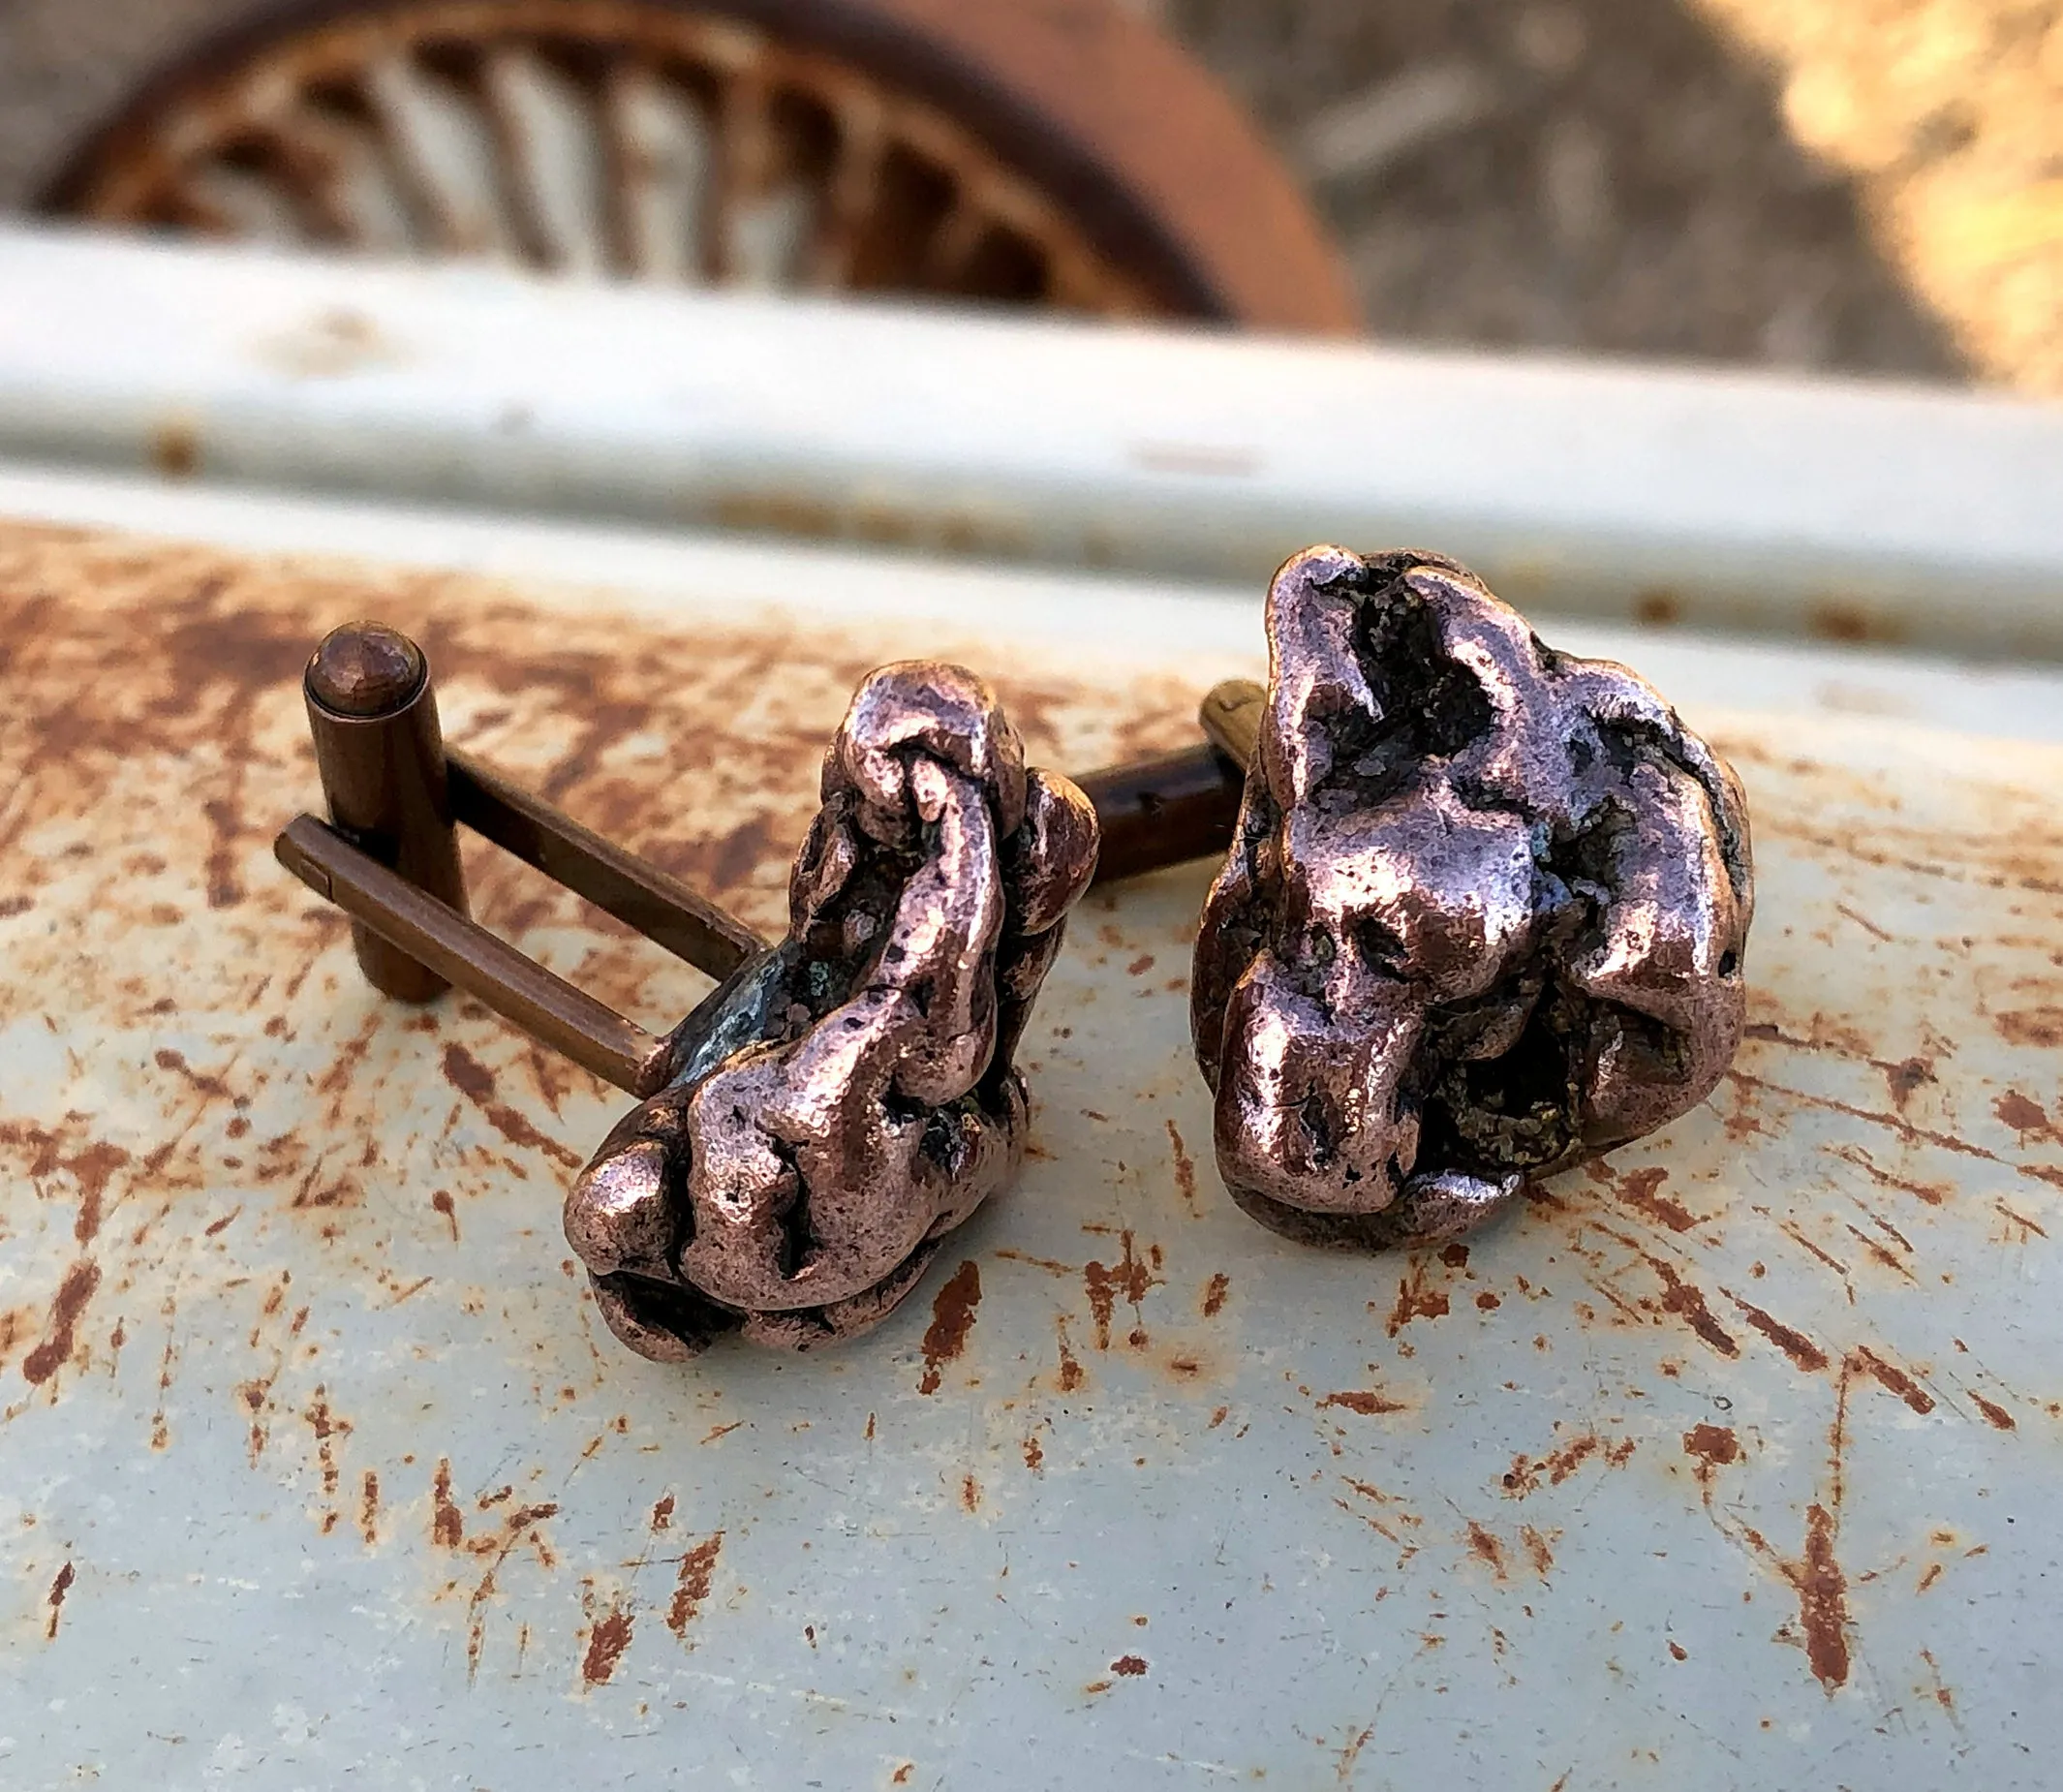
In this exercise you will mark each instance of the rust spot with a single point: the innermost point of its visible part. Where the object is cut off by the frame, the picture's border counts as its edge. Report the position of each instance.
(1994, 1415)
(1454, 1255)
(440, 1203)
(1185, 1168)
(1129, 1666)
(1926, 1580)
(1365, 1400)
(1131, 1278)
(1486, 1549)
(605, 1644)
(61, 1586)
(475, 1082)
(970, 1494)
(663, 1513)
(1640, 1190)
(725, 1430)
(448, 1525)
(1714, 1446)
(901, 1776)
(93, 1167)
(1835, 620)
(1657, 606)
(1823, 1600)
(2023, 1116)
(952, 1318)
(1902, 1079)
(1416, 1301)
(1214, 1292)
(369, 1509)
(1140, 966)
(1799, 1349)
(2042, 1027)
(1035, 1453)
(175, 449)
(1487, 1301)
(698, 1574)
(55, 1350)
(1677, 1651)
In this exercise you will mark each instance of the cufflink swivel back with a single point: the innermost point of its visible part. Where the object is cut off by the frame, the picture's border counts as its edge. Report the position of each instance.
(389, 857)
(846, 1096)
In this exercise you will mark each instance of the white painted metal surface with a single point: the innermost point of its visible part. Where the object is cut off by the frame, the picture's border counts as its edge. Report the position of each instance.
(1736, 500)
(1730, 1465)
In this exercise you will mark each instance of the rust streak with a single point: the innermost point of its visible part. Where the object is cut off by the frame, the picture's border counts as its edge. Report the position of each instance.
(1185, 1168)
(1641, 1191)
(1893, 1379)
(1795, 1345)
(952, 1319)
(1823, 1600)
(1486, 1548)
(1365, 1400)
(73, 1294)
(1051, 1265)
(1995, 1416)
(698, 1574)
(475, 1082)
(1214, 1292)
(448, 1525)
(605, 1644)
(60, 1586)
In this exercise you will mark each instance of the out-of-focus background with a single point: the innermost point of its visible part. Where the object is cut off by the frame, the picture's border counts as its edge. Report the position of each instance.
(1867, 186)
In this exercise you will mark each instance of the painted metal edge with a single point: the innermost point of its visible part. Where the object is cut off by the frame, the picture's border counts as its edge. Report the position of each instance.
(1846, 510)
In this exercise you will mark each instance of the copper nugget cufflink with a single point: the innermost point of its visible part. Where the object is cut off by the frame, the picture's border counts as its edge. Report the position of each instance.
(1483, 917)
(846, 1096)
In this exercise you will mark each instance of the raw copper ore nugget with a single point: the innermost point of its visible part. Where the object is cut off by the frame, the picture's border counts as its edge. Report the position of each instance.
(846, 1099)
(1484, 914)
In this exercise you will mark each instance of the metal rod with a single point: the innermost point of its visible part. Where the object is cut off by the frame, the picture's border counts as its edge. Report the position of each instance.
(466, 955)
(1182, 806)
(1231, 714)
(372, 711)
(618, 882)
(1165, 811)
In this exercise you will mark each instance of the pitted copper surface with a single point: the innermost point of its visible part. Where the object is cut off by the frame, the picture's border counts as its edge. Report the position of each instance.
(1483, 917)
(846, 1099)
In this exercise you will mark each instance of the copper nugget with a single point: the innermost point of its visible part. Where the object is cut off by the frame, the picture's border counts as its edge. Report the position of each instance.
(847, 1098)
(1484, 915)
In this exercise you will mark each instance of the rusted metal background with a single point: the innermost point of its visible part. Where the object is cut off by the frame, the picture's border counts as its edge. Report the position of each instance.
(1728, 1462)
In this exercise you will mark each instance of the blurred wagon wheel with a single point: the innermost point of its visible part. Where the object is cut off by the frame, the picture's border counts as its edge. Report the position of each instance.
(1055, 153)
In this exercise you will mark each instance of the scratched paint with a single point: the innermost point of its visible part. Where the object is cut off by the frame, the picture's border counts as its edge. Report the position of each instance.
(1727, 1459)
